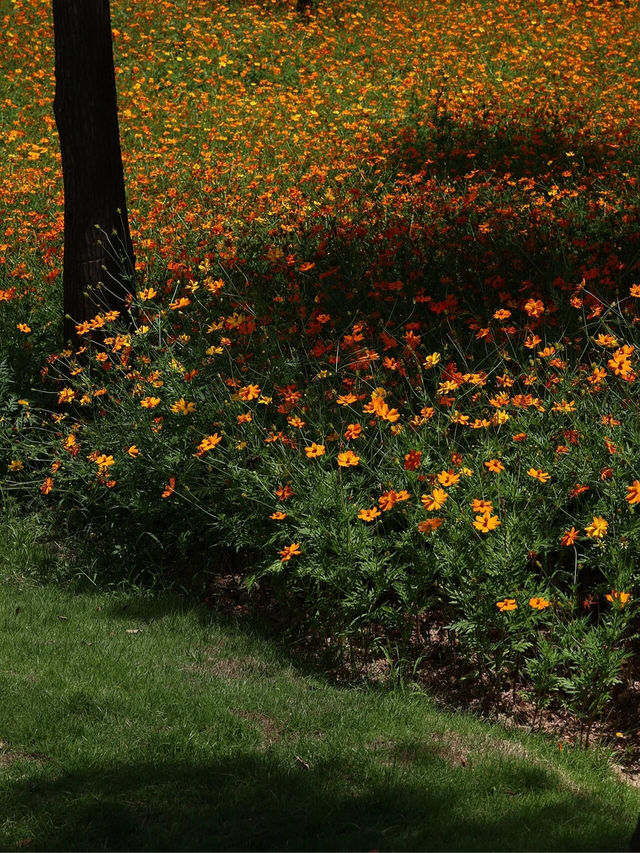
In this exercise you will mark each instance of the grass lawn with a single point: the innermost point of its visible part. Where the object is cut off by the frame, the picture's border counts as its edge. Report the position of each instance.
(143, 723)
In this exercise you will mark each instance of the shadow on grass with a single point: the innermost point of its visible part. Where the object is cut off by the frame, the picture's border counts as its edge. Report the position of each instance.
(266, 802)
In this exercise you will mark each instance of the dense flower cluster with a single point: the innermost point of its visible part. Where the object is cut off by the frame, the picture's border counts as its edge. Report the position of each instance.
(387, 281)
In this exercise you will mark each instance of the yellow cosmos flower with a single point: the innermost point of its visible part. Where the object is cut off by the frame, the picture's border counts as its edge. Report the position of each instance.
(485, 523)
(314, 450)
(182, 407)
(150, 402)
(431, 360)
(435, 500)
(148, 293)
(538, 474)
(348, 459)
(66, 395)
(104, 461)
(598, 528)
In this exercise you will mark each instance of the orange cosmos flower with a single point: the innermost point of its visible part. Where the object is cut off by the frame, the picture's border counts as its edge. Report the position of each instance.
(289, 551)
(534, 307)
(133, 451)
(435, 500)
(538, 474)
(388, 500)
(346, 399)
(578, 489)
(412, 460)
(148, 293)
(24, 328)
(369, 514)
(213, 286)
(616, 597)
(520, 436)
(348, 459)
(353, 431)
(170, 488)
(486, 522)
(150, 402)
(46, 487)
(539, 603)
(633, 492)
(278, 516)
(249, 392)
(482, 506)
(208, 443)
(569, 537)
(532, 341)
(448, 478)
(598, 528)
(502, 314)
(506, 604)
(182, 302)
(429, 525)
(314, 450)
(283, 493)
(494, 465)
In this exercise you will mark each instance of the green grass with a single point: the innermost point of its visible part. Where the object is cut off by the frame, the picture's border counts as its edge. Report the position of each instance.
(197, 734)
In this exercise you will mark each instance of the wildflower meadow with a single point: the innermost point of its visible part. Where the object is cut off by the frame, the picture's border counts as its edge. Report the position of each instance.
(382, 349)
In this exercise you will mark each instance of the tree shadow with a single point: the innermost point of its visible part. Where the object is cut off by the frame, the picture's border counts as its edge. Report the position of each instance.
(264, 802)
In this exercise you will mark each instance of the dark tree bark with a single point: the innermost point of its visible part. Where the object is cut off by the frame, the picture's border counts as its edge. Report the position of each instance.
(98, 261)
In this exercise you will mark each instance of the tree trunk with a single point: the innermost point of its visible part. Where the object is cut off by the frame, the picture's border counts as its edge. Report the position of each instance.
(99, 263)
(634, 845)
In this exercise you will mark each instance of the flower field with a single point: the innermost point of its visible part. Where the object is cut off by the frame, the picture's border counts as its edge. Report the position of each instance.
(385, 324)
